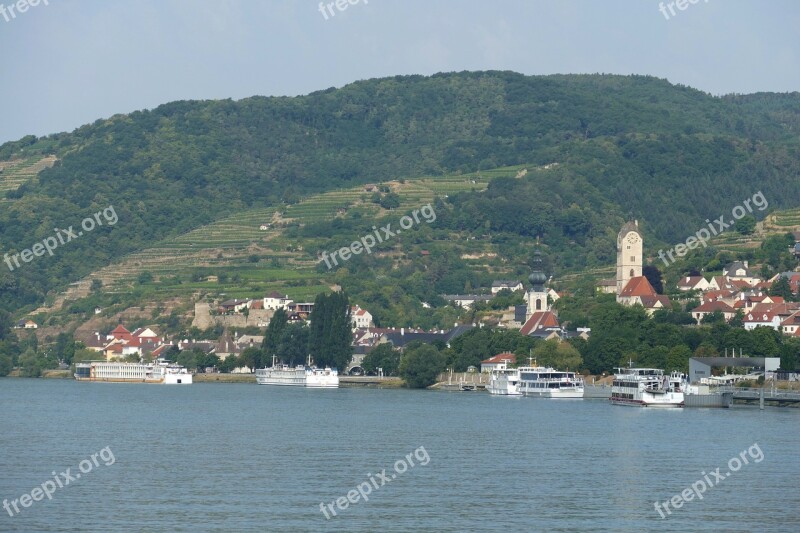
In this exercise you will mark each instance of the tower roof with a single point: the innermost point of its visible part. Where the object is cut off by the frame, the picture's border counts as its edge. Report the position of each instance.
(631, 225)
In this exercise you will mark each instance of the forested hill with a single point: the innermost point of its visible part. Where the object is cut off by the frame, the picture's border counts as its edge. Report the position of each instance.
(669, 155)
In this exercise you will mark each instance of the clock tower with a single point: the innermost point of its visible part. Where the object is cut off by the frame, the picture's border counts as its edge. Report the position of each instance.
(629, 254)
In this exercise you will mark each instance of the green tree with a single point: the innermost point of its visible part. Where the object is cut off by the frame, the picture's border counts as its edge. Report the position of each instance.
(293, 346)
(745, 225)
(382, 356)
(5, 364)
(272, 337)
(419, 367)
(653, 275)
(678, 358)
(228, 364)
(780, 287)
(30, 364)
(251, 357)
(330, 336)
(558, 355)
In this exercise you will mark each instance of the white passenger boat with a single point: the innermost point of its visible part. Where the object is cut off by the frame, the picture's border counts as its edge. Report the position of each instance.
(504, 382)
(299, 376)
(647, 387)
(546, 382)
(160, 371)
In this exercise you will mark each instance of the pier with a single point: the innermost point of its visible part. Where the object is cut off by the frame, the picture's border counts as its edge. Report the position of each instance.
(773, 397)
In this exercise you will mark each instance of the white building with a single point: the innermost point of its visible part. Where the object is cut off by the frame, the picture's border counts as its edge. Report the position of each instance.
(360, 318)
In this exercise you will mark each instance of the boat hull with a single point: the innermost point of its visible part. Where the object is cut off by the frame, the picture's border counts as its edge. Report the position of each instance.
(574, 394)
(311, 378)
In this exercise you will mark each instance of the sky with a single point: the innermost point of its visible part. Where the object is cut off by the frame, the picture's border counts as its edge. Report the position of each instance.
(66, 63)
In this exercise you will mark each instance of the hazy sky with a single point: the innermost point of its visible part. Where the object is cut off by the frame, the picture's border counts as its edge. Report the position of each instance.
(73, 61)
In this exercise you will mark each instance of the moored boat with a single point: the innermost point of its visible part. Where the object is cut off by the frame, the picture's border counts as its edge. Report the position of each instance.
(159, 371)
(298, 376)
(647, 387)
(504, 382)
(546, 382)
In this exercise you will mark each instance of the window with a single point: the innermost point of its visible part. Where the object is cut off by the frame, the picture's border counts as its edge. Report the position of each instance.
(538, 305)
(631, 273)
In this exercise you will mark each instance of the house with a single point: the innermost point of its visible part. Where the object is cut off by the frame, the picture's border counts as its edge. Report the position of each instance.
(721, 283)
(120, 333)
(206, 347)
(114, 350)
(96, 342)
(276, 300)
(720, 296)
(234, 306)
(769, 319)
(607, 286)
(708, 307)
(303, 309)
(498, 362)
(512, 286)
(740, 270)
(542, 324)
(466, 300)
(27, 324)
(399, 338)
(693, 283)
(145, 334)
(793, 277)
(250, 341)
(639, 291)
(360, 318)
(791, 325)
(370, 187)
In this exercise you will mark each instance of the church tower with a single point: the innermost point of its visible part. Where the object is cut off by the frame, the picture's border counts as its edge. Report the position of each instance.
(629, 254)
(536, 296)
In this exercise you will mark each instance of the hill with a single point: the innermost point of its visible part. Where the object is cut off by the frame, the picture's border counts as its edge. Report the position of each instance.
(192, 179)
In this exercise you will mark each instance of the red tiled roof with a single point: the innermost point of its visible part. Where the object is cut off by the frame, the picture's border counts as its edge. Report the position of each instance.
(793, 320)
(716, 305)
(120, 329)
(540, 320)
(689, 281)
(638, 286)
(717, 294)
(505, 357)
(649, 302)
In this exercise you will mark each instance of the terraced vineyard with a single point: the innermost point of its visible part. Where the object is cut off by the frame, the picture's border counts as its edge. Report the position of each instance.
(18, 171)
(773, 224)
(231, 241)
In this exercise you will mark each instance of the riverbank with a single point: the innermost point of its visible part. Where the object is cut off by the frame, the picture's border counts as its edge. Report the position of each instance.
(344, 381)
(224, 378)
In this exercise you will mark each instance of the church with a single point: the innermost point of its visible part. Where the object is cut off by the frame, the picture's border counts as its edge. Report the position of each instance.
(632, 287)
(540, 320)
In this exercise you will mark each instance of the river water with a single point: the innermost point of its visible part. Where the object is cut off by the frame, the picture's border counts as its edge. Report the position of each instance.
(236, 457)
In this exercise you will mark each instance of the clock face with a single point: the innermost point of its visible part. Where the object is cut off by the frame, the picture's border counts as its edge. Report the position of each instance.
(632, 238)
